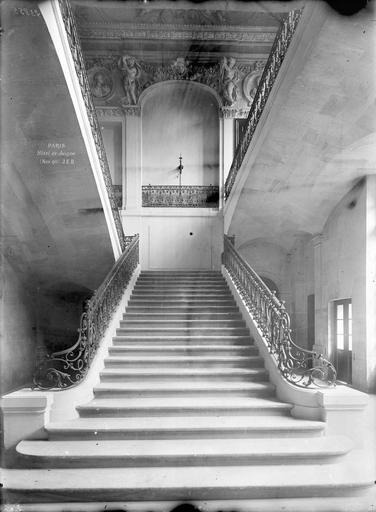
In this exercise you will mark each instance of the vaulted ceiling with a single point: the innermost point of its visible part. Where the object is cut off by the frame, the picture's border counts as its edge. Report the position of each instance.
(159, 31)
(320, 137)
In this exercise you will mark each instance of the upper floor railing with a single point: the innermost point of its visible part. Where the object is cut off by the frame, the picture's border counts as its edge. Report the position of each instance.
(180, 196)
(79, 64)
(273, 64)
(68, 367)
(301, 367)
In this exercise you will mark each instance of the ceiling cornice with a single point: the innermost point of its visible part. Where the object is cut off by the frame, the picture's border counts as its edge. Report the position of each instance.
(176, 32)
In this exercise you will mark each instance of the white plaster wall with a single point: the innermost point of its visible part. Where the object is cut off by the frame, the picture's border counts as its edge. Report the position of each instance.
(112, 140)
(371, 283)
(166, 242)
(341, 270)
(300, 270)
(269, 260)
(180, 118)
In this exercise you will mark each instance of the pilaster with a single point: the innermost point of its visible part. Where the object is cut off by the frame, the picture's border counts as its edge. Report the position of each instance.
(133, 160)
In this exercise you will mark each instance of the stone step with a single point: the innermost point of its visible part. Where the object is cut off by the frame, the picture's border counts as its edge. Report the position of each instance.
(185, 361)
(194, 374)
(181, 331)
(361, 503)
(180, 308)
(181, 272)
(139, 350)
(194, 287)
(182, 280)
(177, 452)
(184, 483)
(194, 301)
(185, 427)
(178, 291)
(170, 296)
(185, 340)
(199, 315)
(181, 323)
(187, 406)
(182, 388)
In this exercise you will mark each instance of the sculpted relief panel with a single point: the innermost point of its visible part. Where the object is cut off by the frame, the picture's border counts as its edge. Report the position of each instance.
(119, 81)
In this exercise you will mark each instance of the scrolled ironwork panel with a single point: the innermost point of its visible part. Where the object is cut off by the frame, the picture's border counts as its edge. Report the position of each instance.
(175, 196)
(302, 367)
(66, 368)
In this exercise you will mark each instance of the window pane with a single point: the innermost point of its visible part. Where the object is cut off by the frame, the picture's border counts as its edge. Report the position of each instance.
(350, 327)
(339, 326)
(350, 310)
(340, 343)
(339, 311)
(350, 342)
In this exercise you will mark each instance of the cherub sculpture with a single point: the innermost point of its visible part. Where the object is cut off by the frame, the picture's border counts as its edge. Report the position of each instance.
(229, 77)
(132, 72)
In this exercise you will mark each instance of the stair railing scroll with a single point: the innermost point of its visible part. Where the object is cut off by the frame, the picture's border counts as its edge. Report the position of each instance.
(302, 367)
(67, 368)
(273, 64)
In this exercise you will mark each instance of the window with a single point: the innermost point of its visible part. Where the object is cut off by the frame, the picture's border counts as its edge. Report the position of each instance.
(342, 334)
(343, 324)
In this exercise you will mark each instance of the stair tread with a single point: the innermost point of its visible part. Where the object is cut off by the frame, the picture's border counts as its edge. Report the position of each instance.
(190, 337)
(188, 423)
(196, 402)
(166, 348)
(182, 329)
(174, 448)
(187, 385)
(174, 358)
(184, 371)
(148, 479)
(183, 321)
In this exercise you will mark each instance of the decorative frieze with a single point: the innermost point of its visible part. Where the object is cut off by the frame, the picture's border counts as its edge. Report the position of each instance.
(119, 80)
(109, 111)
(234, 113)
(170, 31)
(26, 11)
(180, 196)
(131, 110)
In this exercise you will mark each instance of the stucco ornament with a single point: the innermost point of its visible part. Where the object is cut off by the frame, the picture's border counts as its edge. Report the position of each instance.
(101, 83)
(229, 77)
(180, 65)
(251, 81)
(131, 70)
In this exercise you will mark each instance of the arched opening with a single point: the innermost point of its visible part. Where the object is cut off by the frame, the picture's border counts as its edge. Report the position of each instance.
(180, 118)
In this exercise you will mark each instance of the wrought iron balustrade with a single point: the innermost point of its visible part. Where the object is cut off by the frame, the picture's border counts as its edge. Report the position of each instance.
(79, 64)
(68, 367)
(185, 196)
(273, 64)
(301, 367)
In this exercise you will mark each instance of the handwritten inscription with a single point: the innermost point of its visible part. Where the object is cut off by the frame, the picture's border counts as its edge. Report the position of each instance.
(56, 153)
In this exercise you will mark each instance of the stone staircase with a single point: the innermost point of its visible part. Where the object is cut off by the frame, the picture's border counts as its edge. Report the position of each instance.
(183, 412)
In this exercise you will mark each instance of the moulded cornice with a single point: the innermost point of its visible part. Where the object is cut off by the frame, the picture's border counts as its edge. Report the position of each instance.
(179, 32)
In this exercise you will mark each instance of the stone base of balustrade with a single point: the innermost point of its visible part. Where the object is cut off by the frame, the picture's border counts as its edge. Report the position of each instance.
(26, 411)
(340, 407)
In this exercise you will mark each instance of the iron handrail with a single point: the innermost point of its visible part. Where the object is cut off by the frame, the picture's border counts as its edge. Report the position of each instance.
(66, 368)
(301, 367)
(268, 77)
